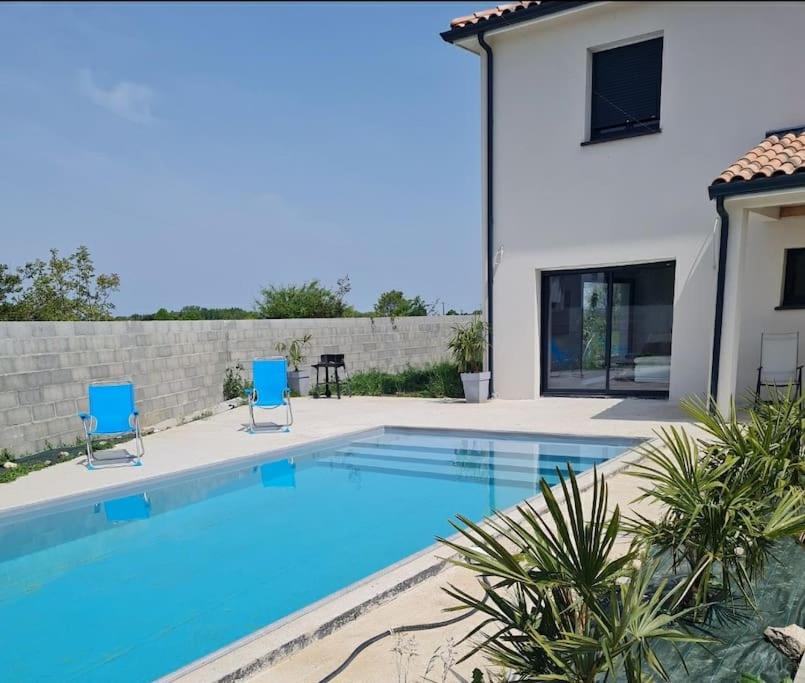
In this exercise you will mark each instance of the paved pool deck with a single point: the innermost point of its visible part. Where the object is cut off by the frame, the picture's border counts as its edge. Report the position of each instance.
(223, 437)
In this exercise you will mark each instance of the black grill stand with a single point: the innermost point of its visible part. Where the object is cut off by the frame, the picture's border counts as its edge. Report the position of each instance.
(327, 362)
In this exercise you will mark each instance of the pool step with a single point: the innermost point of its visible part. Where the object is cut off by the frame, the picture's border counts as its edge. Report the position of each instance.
(524, 446)
(468, 459)
(528, 485)
(404, 462)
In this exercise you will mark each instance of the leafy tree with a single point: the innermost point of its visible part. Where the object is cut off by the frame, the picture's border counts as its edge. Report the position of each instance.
(309, 300)
(394, 304)
(165, 314)
(10, 285)
(195, 313)
(60, 288)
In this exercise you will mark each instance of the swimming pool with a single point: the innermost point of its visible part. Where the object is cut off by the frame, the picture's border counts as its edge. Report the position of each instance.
(134, 587)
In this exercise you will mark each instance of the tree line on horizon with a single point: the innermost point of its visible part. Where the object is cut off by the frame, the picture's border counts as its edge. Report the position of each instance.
(68, 288)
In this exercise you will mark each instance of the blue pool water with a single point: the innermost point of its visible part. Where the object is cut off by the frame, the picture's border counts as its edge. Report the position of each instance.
(133, 588)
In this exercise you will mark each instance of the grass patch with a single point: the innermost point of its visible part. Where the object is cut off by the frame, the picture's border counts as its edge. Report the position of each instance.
(25, 464)
(440, 380)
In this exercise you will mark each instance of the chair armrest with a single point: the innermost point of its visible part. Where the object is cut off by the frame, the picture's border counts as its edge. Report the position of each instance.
(135, 412)
(84, 416)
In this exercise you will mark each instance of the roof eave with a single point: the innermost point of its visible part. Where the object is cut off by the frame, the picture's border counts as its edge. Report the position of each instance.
(780, 182)
(545, 8)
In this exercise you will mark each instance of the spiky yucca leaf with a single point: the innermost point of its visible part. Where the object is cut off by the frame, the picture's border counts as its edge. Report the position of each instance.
(548, 606)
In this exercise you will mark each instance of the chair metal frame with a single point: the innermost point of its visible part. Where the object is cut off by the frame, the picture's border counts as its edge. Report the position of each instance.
(796, 373)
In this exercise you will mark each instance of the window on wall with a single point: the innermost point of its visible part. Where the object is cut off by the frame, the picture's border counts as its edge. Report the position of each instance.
(794, 279)
(625, 90)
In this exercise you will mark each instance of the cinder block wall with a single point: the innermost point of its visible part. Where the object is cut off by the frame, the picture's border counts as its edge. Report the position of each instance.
(177, 366)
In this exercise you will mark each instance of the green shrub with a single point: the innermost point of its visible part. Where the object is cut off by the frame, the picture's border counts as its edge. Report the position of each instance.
(308, 300)
(440, 380)
(234, 384)
(559, 604)
(725, 499)
(294, 351)
(468, 344)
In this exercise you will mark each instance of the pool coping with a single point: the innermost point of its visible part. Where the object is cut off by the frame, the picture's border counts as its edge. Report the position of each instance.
(275, 641)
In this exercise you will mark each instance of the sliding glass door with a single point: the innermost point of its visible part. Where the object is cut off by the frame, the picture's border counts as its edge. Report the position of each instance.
(608, 331)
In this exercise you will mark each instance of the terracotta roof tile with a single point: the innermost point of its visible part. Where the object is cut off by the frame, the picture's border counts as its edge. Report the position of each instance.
(776, 155)
(493, 13)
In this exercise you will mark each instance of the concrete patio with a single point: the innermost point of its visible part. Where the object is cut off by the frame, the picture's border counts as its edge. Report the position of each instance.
(223, 438)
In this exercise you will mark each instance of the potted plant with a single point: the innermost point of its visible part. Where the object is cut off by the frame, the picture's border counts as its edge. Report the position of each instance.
(294, 352)
(467, 345)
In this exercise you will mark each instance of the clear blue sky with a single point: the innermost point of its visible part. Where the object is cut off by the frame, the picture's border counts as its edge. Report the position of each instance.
(203, 151)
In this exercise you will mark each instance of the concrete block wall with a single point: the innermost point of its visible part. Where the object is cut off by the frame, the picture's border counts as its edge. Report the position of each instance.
(177, 366)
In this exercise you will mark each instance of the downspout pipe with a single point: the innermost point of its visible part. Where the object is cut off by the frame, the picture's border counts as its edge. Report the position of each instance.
(724, 233)
(490, 196)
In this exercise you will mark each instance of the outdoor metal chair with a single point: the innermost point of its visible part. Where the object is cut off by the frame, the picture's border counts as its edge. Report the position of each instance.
(270, 390)
(779, 363)
(112, 412)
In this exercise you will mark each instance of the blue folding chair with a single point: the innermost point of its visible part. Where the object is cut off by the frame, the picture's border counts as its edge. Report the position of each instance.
(112, 412)
(270, 390)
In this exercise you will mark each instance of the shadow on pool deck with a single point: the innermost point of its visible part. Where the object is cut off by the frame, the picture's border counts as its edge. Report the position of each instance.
(643, 409)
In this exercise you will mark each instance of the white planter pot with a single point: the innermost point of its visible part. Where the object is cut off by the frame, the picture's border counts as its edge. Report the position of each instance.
(476, 386)
(299, 381)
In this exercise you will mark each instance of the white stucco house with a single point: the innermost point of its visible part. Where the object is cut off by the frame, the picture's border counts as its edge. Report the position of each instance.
(621, 257)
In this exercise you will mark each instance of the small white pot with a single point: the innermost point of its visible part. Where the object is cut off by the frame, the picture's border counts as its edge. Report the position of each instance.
(299, 381)
(476, 386)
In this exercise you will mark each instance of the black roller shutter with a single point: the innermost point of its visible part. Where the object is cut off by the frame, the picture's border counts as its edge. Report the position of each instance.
(794, 283)
(626, 85)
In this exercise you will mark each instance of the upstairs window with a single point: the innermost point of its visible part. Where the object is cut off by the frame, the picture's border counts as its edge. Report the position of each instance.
(794, 279)
(625, 96)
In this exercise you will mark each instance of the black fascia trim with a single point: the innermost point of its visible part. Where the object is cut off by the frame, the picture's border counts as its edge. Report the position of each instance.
(516, 17)
(789, 307)
(624, 135)
(780, 182)
(785, 131)
(721, 278)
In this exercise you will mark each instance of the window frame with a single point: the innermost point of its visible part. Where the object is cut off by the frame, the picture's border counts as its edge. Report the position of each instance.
(590, 138)
(787, 301)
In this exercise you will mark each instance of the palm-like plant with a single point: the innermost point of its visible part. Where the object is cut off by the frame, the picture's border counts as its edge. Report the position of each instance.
(468, 344)
(724, 501)
(294, 350)
(559, 604)
(769, 444)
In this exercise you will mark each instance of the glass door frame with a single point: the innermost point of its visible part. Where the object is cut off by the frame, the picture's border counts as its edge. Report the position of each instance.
(609, 272)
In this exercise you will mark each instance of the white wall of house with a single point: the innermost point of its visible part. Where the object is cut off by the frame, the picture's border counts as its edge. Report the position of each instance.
(758, 239)
(730, 72)
(761, 289)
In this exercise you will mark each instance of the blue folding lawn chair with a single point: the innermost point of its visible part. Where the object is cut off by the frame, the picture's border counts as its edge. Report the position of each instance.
(112, 412)
(270, 390)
